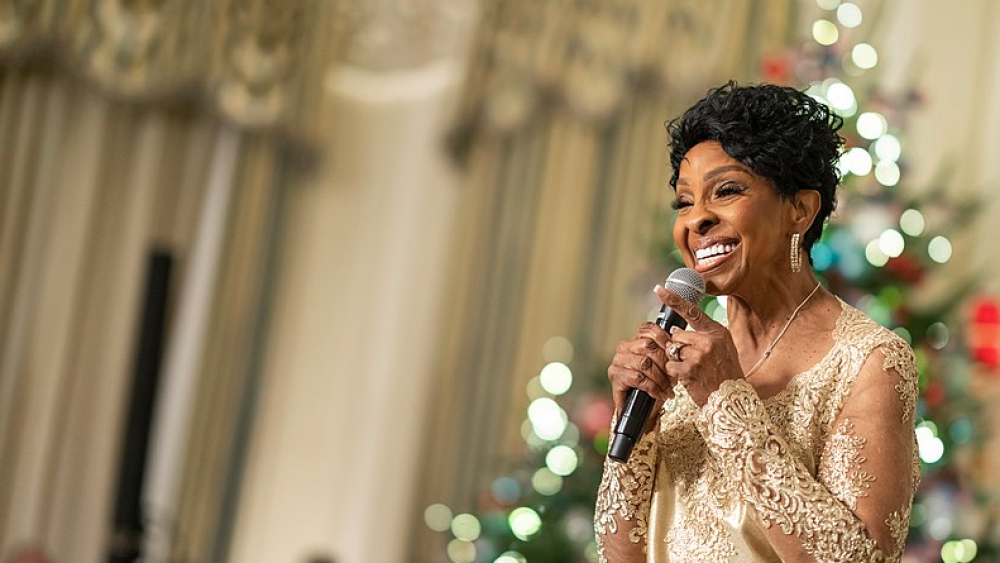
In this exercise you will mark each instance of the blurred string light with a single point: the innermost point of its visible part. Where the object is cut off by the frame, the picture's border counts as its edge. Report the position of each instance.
(864, 56)
(822, 256)
(961, 431)
(887, 173)
(856, 160)
(546, 482)
(891, 243)
(842, 98)
(506, 490)
(939, 249)
(874, 254)
(912, 222)
(461, 551)
(938, 335)
(524, 522)
(904, 334)
(849, 15)
(871, 125)
(959, 551)
(825, 32)
(466, 527)
(887, 147)
(828, 4)
(558, 349)
(556, 378)
(571, 436)
(562, 460)
(548, 420)
(931, 447)
(511, 557)
(438, 517)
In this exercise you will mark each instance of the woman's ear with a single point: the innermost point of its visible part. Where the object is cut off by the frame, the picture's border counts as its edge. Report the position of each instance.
(805, 207)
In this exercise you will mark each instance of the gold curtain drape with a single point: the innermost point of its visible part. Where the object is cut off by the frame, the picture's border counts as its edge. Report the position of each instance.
(118, 121)
(565, 222)
(252, 62)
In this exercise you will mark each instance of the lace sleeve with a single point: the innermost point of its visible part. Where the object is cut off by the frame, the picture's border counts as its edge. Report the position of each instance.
(856, 509)
(623, 499)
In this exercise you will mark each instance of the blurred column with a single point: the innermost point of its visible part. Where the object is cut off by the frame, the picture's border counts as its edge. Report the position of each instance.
(333, 462)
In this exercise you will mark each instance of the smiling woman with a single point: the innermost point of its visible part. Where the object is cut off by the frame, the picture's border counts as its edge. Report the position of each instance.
(781, 436)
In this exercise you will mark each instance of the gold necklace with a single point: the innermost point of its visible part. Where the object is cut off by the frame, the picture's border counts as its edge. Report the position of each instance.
(767, 352)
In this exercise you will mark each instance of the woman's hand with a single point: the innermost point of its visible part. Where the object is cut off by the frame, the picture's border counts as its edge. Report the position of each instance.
(639, 364)
(706, 357)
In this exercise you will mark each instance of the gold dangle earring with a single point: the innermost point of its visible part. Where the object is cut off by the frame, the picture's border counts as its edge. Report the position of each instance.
(796, 254)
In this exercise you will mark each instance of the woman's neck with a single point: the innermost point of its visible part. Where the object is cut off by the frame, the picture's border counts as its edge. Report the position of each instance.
(760, 313)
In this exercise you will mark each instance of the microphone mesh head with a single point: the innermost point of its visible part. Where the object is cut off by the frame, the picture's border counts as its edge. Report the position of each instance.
(688, 284)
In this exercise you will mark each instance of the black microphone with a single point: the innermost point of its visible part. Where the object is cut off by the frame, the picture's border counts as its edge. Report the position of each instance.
(688, 284)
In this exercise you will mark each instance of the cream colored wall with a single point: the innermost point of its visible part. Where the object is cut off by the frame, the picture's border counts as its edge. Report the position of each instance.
(333, 461)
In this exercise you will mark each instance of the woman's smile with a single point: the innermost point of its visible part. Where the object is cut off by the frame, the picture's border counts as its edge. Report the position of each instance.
(711, 255)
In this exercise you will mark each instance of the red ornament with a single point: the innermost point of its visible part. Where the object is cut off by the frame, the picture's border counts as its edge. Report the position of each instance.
(984, 332)
(934, 395)
(775, 69)
(595, 416)
(906, 269)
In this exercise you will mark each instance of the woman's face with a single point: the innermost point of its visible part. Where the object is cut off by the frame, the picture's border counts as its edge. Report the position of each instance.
(731, 226)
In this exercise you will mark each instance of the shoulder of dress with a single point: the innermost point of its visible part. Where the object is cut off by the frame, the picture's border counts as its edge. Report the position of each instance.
(858, 331)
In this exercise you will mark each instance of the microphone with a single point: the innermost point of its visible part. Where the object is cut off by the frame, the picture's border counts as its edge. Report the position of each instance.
(691, 287)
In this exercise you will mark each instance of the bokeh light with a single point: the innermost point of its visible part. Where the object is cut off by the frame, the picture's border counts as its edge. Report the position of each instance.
(828, 4)
(938, 335)
(825, 32)
(874, 254)
(511, 557)
(939, 249)
(887, 147)
(438, 517)
(556, 378)
(872, 125)
(841, 97)
(857, 161)
(931, 447)
(466, 527)
(546, 482)
(891, 243)
(524, 522)
(548, 420)
(558, 349)
(887, 173)
(461, 551)
(959, 551)
(534, 388)
(912, 222)
(506, 490)
(562, 460)
(849, 15)
(864, 56)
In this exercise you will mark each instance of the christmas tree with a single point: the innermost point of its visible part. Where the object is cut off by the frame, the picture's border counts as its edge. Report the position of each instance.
(879, 253)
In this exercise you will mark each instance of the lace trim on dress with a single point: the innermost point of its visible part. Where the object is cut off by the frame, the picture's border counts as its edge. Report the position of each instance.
(736, 428)
(625, 491)
(840, 468)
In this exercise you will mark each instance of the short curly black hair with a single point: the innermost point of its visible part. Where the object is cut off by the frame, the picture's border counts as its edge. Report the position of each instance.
(779, 132)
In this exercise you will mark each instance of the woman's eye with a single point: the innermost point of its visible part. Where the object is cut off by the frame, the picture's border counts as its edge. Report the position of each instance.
(729, 189)
(678, 204)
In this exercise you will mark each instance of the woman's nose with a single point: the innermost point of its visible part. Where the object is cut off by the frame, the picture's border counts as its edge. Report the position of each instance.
(701, 219)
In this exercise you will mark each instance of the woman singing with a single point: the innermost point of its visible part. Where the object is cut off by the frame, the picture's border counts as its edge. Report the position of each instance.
(788, 434)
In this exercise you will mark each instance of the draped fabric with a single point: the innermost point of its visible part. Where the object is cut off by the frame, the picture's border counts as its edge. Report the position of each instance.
(127, 126)
(249, 61)
(565, 223)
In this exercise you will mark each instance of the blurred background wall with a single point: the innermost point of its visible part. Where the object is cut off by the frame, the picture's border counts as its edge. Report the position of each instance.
(274, 276)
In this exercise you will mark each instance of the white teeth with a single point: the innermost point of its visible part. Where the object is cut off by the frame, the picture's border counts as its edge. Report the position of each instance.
(711, 253)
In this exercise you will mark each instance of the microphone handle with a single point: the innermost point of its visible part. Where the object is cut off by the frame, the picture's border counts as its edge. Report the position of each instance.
(638, 403)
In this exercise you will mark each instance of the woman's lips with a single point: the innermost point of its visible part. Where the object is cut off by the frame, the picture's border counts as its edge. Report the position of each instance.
(713, 256)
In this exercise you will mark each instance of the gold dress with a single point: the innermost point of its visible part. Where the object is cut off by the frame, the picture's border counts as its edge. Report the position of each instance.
(831, 460)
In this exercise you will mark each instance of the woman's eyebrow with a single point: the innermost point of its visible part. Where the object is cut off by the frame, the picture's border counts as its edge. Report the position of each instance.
(722, 170)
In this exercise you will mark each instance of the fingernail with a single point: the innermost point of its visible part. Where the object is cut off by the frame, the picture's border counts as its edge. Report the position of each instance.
(674, 329)
(657, 288)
